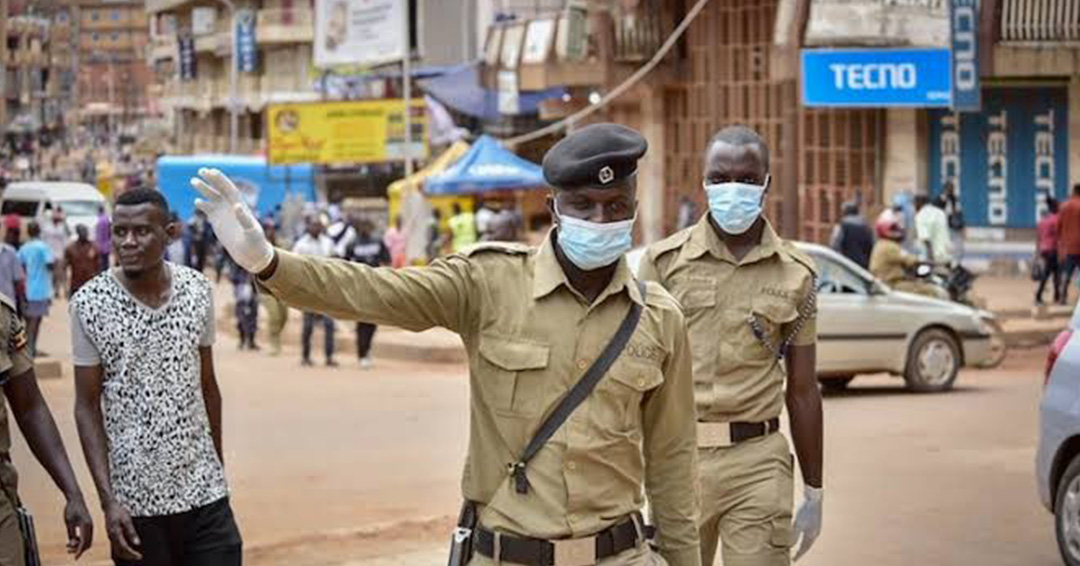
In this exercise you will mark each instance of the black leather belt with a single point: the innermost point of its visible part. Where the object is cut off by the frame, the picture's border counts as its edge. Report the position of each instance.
(577, 552)
(741, 432)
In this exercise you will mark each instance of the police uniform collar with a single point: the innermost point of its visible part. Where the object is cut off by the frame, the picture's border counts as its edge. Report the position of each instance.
(548, 275)
(703, 239)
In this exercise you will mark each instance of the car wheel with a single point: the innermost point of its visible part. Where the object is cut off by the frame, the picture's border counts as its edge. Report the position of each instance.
(933, 361)
(1067, 514)
(998, 348)
(834, 384)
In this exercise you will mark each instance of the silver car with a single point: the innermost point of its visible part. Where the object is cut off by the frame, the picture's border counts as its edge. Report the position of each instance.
(865, 327)
(1057, 463)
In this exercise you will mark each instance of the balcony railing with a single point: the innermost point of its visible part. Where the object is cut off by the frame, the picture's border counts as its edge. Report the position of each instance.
(285, 25)
(1040, 21)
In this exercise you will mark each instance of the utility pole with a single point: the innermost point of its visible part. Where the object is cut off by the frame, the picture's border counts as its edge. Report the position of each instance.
(406, 77)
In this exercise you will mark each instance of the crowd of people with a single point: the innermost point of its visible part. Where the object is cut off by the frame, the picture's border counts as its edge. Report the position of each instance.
(1058, 249)
(930, 232)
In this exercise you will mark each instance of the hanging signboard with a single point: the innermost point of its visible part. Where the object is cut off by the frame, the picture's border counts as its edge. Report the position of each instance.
(877, 77)
(359, 32)
(247, 52)
(341, 133)
(188, 67)
(964, 32)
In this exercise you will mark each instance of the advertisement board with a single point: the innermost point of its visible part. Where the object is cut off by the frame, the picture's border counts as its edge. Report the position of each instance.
(329, 133)
(1005, 160)
(964, 31)
(247, 52)
(877, 78)
(359, 32)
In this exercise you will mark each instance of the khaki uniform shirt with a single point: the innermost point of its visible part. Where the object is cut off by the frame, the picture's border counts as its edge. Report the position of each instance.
(529, 338)
(736, 378)
(889, 262)
(14, 361)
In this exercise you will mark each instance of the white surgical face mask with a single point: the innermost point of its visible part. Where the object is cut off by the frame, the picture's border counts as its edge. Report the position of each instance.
(736, 206)
(592, 245)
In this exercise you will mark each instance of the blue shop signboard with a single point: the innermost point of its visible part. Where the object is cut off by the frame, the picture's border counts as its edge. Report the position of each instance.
(1006, 159)
(877, 77)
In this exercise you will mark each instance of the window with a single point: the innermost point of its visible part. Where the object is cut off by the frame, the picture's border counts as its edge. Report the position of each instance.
(115, 37)
(835, 278)
(116, 15)
(94, 15)
(95, 37)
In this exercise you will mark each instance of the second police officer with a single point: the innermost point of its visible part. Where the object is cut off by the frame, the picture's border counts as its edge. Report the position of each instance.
(750, 302)
(534, 322)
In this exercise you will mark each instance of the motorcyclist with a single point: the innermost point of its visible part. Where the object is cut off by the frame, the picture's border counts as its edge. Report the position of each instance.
(894, 266)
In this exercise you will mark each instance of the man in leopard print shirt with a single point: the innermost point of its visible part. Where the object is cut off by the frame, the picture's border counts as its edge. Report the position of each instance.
(147, 401)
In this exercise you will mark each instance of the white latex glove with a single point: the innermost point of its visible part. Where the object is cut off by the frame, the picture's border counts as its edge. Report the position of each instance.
(234, 224)
(808, 520)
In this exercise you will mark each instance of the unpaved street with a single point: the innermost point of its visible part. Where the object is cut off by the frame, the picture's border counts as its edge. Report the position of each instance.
(346, 467)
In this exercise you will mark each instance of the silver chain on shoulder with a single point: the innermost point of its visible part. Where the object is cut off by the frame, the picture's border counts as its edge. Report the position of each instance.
(806, 310)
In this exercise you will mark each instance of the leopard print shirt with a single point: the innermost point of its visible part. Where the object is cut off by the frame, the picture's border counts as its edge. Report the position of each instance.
(162, 459)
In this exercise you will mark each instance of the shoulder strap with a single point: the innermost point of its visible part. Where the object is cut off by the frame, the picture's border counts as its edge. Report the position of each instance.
(579, 392)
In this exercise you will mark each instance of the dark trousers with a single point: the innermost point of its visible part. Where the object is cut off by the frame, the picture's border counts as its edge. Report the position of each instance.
(1050, 271)
(365, 333)
(103, 257)
(1072, 262)
(204, 536)
(310, 320)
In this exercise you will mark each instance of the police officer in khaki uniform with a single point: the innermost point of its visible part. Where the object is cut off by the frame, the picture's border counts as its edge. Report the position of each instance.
(30, 411)
(533, 321)
(750, 305)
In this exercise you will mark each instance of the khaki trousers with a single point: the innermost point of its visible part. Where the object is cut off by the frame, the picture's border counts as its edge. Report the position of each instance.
(746, 502)
(11, 543)
(642, 555)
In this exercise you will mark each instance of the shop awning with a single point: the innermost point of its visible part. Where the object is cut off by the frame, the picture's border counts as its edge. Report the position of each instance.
(460, 90)
(438, 165)
(488, 166)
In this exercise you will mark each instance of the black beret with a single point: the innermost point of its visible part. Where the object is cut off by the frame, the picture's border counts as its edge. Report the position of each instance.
(596, 155)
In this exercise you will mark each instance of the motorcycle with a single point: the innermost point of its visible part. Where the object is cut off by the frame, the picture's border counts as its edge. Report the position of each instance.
(958, 281)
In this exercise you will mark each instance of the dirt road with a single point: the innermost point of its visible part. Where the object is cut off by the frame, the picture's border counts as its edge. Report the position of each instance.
(339, 466)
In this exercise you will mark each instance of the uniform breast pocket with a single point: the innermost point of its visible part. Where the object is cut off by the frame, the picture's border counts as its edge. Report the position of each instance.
(511, 375)
(624, 388)
(694, 293)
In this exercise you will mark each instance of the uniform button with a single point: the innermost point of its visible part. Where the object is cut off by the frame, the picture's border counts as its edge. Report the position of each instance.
(582, 364)
(571, 466)
(641, 382)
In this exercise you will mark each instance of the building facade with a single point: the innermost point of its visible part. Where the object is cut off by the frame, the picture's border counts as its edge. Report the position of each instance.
(38, 78)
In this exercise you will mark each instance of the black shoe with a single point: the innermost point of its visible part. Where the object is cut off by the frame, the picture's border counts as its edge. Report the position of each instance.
(331, 364)
(306, 363)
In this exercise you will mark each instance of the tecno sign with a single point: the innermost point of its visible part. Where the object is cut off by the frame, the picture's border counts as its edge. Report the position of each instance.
(876, 77)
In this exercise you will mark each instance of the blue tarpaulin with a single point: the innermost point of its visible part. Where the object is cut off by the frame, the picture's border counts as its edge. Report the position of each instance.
(460, 90)
(487, 166)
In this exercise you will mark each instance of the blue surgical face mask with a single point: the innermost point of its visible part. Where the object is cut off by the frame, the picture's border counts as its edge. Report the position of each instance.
(735, 206)
(592, 245)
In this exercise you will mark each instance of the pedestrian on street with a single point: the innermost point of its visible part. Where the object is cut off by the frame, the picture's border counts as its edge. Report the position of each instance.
(55, 233)
(37, 260)
(368, 250)
(949, 201)
(932, 231)
(175, 250)
(436, 239)
(1047, 230)
(12, 230)
(1069, 240)
(81, 257)
(893, 265)
(149, 416)
(732, 259)
(103, 237)
(245, 301)
(277, 312)
(852, 236)
(315, 243)
(462, 229)
(340, 231)
(533, 322)
(199, 237)
(395, 241)
(20, 387)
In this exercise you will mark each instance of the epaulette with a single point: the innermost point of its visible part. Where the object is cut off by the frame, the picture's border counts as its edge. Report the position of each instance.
(657, 296)
(672, 242)
(511, 248)
(800, 256)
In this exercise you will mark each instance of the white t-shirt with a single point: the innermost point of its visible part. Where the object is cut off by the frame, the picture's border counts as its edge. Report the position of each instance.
(307, 245)
(932, 225)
